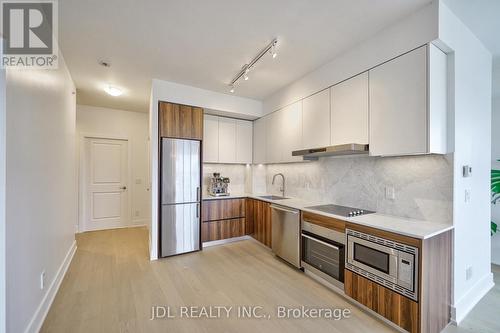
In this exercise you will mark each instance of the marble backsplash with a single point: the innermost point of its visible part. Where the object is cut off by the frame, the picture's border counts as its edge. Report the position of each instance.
(240, 176)
(423, 184)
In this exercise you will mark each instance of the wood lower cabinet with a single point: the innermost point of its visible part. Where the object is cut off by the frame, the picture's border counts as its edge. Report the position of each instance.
(216, 230)
(432, 312)
(259, 221)
(401, 310)
(222, 219)
(222, 209)
(180, 121)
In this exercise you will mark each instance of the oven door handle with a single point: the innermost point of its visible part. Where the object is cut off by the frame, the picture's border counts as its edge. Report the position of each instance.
(321, 242)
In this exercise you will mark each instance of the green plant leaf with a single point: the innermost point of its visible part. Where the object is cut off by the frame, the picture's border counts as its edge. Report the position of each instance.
(495, 181)
(494, 228)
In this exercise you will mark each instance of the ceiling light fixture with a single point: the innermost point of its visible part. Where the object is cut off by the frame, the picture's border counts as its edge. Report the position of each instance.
(271, 48)
(113, 91)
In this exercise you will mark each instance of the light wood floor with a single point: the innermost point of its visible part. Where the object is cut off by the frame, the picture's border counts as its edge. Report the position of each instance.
(111, 286)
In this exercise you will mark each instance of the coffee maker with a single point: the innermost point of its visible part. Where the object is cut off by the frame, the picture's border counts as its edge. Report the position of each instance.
(218, 185)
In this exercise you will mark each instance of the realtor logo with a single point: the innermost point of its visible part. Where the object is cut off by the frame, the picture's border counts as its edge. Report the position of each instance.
(29, 30)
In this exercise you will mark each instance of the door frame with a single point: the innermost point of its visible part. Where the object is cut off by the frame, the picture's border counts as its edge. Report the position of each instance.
(82, 161)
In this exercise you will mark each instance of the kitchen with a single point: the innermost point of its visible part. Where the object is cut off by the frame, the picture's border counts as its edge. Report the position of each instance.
(263, 166)
(370, 250)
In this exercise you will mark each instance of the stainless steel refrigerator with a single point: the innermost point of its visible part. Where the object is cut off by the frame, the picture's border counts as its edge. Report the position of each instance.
(180, 196)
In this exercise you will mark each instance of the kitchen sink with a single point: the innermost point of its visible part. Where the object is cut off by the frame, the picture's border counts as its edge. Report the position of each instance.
(272, 197)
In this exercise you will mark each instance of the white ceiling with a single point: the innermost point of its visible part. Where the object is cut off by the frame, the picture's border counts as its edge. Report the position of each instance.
(483, 19)
(205, 43)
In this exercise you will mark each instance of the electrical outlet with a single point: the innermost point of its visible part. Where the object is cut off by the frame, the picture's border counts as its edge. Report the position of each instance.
(468, 273)
(390, 193)
(137, 213)
(42, 280)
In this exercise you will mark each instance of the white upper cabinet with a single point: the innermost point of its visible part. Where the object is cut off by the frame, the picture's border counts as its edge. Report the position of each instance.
(401, 119)
(274, 137)
(227, 140)
(349, 111)
(290, 126)
(244, 142)
(259, 141)
(284, 134)
(316, 120)
(210, 139)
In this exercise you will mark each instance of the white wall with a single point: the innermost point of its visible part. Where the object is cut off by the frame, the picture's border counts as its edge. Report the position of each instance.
(409, 33)
(2, 198)
(112, 123)
(471, 96)
(41, 202)
(182, 94)
(495, 155)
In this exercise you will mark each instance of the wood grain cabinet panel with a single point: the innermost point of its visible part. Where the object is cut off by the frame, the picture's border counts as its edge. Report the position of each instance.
(217, 230)
(401, 310)
(259, 216)
(222, 209)
(323, 221)
(180, 121)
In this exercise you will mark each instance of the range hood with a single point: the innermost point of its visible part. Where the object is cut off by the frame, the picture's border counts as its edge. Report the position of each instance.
(338, 150)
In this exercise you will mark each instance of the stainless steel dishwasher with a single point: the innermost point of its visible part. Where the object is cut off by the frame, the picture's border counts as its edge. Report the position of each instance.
(286, 233)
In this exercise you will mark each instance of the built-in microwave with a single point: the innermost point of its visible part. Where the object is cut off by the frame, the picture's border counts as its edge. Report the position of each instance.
(389, 263)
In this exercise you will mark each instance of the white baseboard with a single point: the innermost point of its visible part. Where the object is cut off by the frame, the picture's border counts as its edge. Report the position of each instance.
(41, 312)
(119, 227)
(465, 304)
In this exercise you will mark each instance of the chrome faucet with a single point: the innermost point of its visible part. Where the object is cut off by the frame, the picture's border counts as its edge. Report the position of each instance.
(282, 188)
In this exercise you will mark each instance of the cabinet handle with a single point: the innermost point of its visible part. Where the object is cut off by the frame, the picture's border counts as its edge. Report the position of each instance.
(321, 242)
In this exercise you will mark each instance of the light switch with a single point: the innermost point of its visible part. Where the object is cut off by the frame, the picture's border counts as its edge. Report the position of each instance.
(138, 181)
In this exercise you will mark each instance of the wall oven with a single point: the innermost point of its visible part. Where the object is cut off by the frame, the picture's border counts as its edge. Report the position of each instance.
(391, 264)
(323, 253)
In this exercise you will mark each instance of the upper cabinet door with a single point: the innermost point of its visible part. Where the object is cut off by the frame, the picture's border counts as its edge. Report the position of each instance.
(210, 139)
(180, 121)
(349, 105)
(398, 105)
(274, 137)
(227, 140)
(316, 120)
(259, 141)
(289, 127)
(244, 142)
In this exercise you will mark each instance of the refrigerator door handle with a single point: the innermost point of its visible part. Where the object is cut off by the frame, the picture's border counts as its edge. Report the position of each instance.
(197, 210)
(198, 193)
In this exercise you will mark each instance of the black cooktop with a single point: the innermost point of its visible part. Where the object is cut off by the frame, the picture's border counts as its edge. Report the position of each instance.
(341, 210)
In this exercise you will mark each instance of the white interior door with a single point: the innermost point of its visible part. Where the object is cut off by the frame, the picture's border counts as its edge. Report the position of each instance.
(106, 203)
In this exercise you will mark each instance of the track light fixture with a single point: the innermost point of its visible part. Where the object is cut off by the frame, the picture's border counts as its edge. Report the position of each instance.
(271, 48)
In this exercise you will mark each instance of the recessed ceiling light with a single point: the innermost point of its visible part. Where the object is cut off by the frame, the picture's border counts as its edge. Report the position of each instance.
(113, 91)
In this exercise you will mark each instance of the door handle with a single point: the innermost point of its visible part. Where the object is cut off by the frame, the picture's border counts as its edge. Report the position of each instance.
(123, 188)
(197, 210)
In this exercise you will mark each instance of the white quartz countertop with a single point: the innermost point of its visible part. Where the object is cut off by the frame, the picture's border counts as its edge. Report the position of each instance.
(420, 229)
